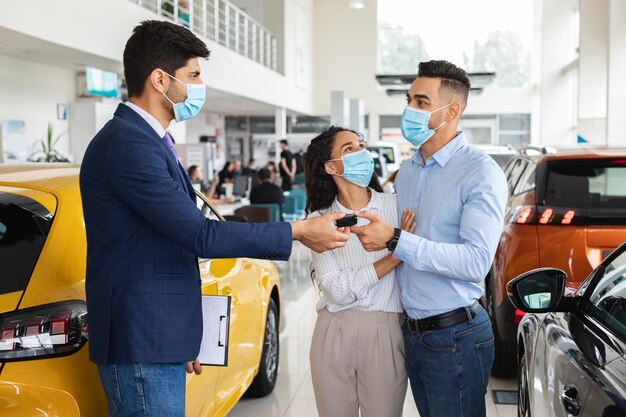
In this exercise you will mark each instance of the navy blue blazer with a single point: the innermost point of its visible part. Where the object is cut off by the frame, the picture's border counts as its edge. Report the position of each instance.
(144, 234)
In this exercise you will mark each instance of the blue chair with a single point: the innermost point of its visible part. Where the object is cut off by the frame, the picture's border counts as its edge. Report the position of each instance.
(274, 211)
(299, 179)
(290, 209)
(300, 196)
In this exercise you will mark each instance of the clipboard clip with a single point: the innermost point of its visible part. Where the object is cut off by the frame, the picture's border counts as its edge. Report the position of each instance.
(219, 335)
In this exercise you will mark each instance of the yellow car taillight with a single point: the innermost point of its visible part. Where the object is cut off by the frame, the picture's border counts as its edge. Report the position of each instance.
(43, 331)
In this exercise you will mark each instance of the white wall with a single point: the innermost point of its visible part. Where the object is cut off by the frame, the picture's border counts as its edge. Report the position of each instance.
(73, 27)
(617, 69)
(30, 91)
(345, 58)
(557, 95)
(593, 70)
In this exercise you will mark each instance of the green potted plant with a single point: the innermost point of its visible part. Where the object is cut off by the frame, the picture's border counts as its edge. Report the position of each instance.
(47, 153)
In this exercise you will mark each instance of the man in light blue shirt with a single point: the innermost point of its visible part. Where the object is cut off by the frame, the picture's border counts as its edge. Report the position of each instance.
(458, 194)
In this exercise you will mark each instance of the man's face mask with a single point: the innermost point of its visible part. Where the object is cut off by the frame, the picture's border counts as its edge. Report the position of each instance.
(358, 167)
(188, 109)
(414, 125)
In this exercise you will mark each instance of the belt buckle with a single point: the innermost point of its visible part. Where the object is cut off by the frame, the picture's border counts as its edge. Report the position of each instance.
(412, 324)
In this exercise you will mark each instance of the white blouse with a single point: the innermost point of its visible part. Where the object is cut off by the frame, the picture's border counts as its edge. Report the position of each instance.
(346, 276)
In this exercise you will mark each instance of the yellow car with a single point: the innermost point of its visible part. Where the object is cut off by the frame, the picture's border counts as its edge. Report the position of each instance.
(44, 363)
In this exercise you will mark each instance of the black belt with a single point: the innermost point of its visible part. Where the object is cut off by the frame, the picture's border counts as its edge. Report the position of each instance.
(441, 321)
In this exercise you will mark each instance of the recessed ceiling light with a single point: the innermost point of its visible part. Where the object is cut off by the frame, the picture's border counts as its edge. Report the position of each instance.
(357, 4)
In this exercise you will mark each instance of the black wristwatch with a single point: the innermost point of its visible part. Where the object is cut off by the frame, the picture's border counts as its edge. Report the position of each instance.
(391, 244)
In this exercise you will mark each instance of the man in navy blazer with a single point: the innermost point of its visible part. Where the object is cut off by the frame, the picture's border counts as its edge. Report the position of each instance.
(145, 232)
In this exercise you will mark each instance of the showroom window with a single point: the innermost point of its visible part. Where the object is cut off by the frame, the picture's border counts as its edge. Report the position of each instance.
(500, 38)
(497, 129)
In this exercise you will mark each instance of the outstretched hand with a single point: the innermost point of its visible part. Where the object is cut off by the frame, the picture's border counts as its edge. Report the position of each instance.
(320, 234)
(375, 235)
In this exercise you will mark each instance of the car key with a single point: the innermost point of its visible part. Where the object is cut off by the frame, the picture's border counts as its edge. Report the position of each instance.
(347, 220)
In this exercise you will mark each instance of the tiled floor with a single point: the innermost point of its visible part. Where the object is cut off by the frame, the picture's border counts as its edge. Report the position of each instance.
(293, 395)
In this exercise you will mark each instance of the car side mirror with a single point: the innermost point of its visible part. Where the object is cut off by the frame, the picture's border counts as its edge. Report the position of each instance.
(537, 291)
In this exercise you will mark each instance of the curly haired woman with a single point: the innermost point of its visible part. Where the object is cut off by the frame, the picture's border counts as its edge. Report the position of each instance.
(357, 351)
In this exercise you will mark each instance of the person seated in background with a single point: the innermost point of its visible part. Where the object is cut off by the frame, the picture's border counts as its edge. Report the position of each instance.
(271, 165)
(236, 168)
(196, 177)
(267, 192)
(225, 176)
(251, 168)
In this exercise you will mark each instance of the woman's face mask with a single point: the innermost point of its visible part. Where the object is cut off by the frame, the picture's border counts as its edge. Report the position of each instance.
(414, 125)
(188, 109)
(358, 167)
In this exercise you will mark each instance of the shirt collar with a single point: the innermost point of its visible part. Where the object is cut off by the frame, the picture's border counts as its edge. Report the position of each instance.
(148, 118)
(443, 155)
(375, 202)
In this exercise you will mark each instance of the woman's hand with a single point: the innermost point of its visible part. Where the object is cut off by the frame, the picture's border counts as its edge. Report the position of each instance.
(408, 221)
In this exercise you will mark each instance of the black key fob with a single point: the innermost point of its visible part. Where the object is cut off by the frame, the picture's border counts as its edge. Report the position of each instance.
(347, 220)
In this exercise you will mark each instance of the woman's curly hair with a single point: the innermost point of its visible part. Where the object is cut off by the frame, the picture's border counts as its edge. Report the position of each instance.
(320, 187)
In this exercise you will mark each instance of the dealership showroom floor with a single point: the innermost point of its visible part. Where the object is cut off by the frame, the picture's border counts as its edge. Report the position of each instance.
(293, 395)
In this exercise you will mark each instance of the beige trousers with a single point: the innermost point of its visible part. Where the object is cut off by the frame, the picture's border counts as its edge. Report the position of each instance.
(357, 363)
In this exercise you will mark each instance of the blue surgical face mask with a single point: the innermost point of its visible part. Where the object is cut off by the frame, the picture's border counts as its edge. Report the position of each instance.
(188, 109)
(414, 125)
(358, 167)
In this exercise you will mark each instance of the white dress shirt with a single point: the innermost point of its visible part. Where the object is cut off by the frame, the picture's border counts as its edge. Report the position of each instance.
(346, 276)
(148, 118)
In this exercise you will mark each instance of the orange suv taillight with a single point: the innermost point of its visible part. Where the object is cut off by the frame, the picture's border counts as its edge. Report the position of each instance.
(530, 215)
(43, 331)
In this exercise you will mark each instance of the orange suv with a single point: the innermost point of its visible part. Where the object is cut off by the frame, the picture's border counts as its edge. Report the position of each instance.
(566, 210)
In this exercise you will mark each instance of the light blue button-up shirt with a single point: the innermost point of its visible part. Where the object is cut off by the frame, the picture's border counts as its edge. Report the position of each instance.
(458, 197)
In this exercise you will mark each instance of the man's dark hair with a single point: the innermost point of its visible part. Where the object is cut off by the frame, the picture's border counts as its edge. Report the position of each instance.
(251, 160)
(284, 142)
(264, 174)
(192, 170)
(156, 44)
(454, 80)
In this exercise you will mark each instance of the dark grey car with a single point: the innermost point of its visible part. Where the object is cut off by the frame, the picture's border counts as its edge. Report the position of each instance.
(571, 348)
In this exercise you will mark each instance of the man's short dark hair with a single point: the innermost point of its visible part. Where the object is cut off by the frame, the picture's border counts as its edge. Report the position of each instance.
(156, 44)
(192, 170)
(264, 174)
(454, 80)
(284, 142)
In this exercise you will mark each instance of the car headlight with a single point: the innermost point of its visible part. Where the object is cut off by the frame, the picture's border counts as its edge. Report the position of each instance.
(44, 331)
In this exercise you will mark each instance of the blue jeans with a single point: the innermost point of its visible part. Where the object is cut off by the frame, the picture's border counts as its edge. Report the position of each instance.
(449, 368)
(144, 389)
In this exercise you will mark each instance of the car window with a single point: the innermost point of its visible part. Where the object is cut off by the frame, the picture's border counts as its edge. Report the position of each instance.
(206, 209)
(386, 153)
(607, 303)
(527, 180)
(514, 174)
(597, 184)
(22, 236)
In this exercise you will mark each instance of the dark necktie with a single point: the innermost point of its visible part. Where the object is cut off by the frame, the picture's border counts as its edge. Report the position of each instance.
(167, 139)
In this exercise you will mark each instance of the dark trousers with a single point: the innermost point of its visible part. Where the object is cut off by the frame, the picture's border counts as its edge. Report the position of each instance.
(286, 185)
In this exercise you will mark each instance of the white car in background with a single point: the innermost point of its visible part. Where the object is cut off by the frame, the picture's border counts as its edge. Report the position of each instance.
(389, 154)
